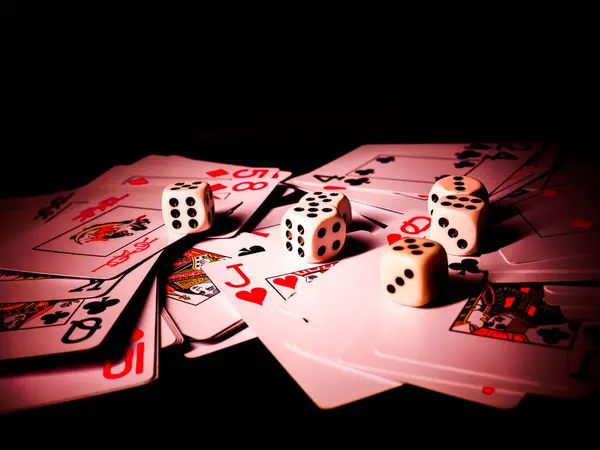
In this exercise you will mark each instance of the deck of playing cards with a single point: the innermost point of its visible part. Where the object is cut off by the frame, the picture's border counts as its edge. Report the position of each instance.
(94, 285)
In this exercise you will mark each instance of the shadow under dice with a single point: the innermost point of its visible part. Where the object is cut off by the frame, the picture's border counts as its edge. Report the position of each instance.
(319, 199)
(314, 234)
(413, 271)
(457, 223)
(188, 207)
(455, 185)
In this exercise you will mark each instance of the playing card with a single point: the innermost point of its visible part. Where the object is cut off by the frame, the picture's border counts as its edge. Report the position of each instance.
(99, 240)
(169, 333)
(24, 287)
(138, 366)
(34, 328)
(203, 348)
(192, 299)
(539, 233)
(414, 168)
(390, 201)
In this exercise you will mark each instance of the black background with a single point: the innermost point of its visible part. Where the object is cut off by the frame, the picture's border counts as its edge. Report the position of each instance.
(60, 135)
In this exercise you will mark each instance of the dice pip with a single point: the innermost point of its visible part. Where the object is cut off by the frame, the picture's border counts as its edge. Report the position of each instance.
(455, 185)
(458, 222)
(314, 234)
(188, 207)
(323, 199)
(413, 271)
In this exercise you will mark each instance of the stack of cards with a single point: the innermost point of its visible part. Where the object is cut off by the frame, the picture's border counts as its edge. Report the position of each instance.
(93, 286)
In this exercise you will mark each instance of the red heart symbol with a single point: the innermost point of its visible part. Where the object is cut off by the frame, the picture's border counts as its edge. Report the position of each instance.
(333, 188)
(289, 281)
(256, 295)
(393, 237)
(138, 181)
(488, 390)
(423, 196)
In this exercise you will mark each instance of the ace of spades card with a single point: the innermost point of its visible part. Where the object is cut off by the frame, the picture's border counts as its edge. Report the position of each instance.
(35, 328)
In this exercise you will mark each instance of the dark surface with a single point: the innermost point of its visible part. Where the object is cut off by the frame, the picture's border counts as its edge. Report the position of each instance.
(246, 384)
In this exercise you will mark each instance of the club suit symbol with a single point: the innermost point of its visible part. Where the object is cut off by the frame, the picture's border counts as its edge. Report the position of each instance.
(249, 251)
(365, 171)
(466, 265)
(357, 181)
(135, 351)
(99, 307)
(51, 318)
(385, 159)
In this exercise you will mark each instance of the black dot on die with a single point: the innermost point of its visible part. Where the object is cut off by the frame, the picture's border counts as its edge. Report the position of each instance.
(301, 252)
(317, 193)
(391, 289)
(197, 182)
(344, 216)
(300, 229)
(434, 198)
(300, 240)
(321, 250)
(174, 202)
(311, 215)
(298, 209)
(417, 252)
(334, 194)
(458, 205)
(176, 224)
(461, 243)
(313, 204)
(471, 207)
(329, 210)
(399, 281)
(326, 200)
(463, 199)
(428, 244)
(206, 199)
(175, 189)
(321, 232)
(408, 273)
(179, 184)
(192, 212)
(476, 200)
(410, 241)
(288, 223)
(193, 187)
(193, 223)
(186, 186)
(431, 212)
(452, 197)
(398, 248)
(460, 188)
(322, 196)
(288, 245)
(336, 227)
(459, 183)
(457, 178)
(310, 199)
(190, 201)
(336, 245)
(443, 222)
(210, 194)
(175, 213)
(288, 234)
(446, 203)
(413, 246)
(452, 232)
(313, 209)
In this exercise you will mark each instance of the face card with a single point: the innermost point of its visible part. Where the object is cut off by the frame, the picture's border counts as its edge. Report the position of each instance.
(543, 234)
(99, 240)
(414, 168)
(138, 366)
(34, 328)
(194, 302)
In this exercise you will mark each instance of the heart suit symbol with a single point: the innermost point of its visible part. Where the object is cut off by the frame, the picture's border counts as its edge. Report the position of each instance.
(138, 181)
(333, 188)
(289, 281)
(255, 295)
(393, 237)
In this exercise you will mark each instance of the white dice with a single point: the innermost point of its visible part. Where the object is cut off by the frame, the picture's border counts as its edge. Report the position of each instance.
(413, 271)
(338, 200)
(457, 223)
(314, 234)
(455, 185)
(188, 207)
